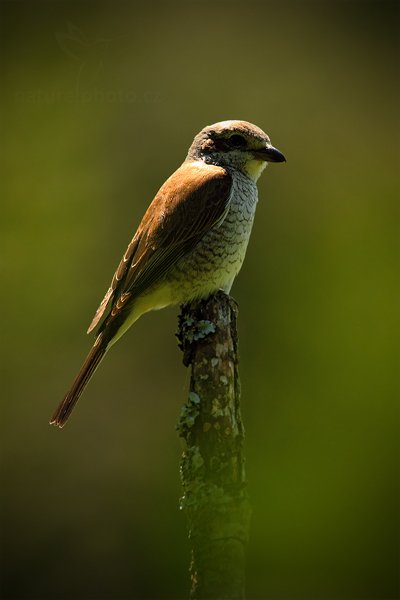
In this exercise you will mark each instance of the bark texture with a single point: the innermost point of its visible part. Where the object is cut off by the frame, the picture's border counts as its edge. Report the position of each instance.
(212, 468)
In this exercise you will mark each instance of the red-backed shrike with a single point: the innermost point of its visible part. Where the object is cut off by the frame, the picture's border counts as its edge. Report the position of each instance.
(192, 239)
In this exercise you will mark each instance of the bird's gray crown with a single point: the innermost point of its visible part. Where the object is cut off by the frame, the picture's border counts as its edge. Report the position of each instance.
(228, 138)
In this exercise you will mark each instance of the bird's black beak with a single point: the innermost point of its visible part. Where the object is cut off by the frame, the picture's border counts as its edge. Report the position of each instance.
(269, 154)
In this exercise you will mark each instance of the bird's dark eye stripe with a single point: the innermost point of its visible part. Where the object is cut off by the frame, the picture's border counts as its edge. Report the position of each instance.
(237, 140)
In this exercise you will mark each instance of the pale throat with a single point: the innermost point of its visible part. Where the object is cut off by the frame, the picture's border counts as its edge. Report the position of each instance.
(253, 168)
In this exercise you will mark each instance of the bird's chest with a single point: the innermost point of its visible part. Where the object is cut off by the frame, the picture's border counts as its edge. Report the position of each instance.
(218, 257)
(236, 227)
(225, 244)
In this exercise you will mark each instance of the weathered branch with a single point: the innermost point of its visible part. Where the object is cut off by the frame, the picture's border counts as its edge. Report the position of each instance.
(212, 468)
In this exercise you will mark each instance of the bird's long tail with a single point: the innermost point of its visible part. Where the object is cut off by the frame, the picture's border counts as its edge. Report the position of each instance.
(88, 368)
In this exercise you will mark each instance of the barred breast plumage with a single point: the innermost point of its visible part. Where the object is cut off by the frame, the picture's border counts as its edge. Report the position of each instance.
(217, 258)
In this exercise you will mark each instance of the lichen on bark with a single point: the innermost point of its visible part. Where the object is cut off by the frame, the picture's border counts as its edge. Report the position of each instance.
(212, 467)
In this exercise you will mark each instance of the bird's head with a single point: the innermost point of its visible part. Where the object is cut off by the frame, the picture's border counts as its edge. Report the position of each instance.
(236, 144)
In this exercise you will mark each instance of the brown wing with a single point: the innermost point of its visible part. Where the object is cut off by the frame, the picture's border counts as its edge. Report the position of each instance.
(191, 201)
(118, 277)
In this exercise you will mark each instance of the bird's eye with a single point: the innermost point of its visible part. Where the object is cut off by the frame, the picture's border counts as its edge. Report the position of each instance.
(237, 140)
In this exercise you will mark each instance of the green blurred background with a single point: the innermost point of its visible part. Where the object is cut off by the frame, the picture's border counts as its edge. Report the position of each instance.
(100, 102)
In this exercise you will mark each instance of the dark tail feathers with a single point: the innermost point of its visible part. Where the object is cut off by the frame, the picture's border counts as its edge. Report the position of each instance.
(88, 368)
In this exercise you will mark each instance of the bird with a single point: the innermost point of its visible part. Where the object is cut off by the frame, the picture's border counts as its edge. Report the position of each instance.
(191, 241)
